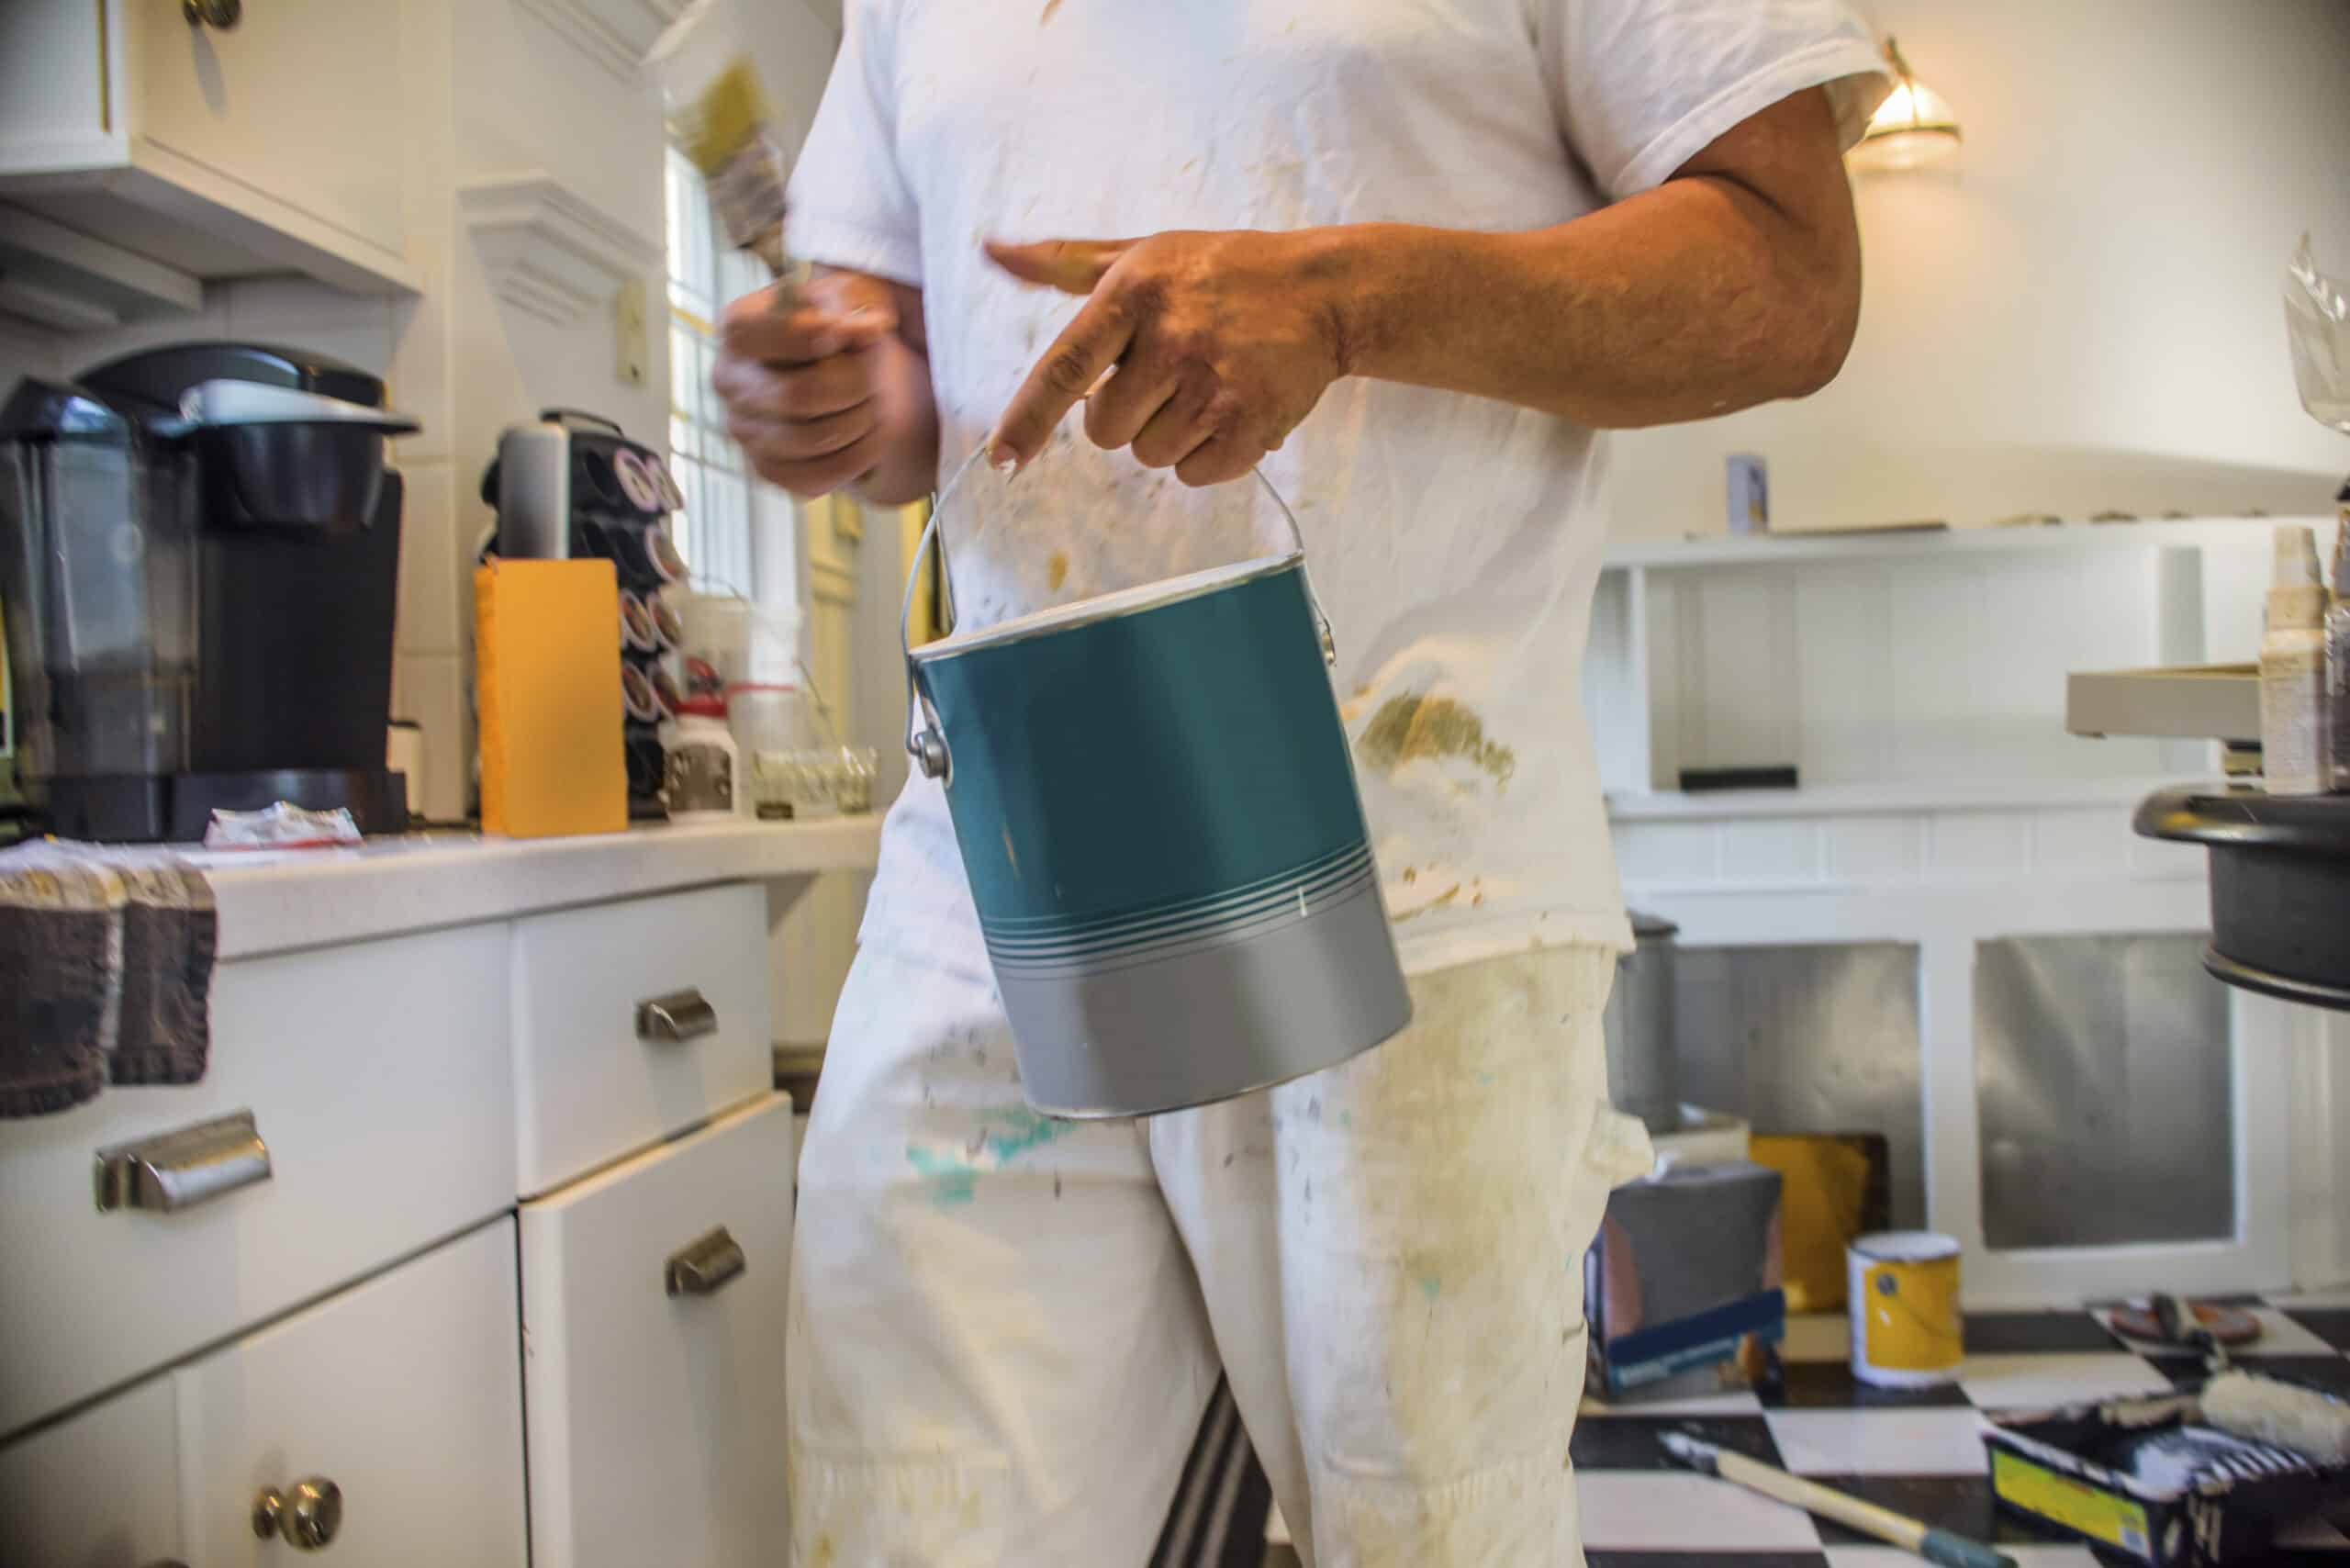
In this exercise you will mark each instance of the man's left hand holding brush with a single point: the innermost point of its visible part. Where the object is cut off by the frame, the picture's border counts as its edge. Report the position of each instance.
(827, 386)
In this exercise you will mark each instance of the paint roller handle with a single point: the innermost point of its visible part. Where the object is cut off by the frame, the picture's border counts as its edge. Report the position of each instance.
(1957, 1551)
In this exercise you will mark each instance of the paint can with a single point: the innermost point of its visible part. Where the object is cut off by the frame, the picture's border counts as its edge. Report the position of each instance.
(1157, 809)
(1907, 1327)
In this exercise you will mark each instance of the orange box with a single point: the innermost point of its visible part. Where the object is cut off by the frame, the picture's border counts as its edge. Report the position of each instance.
(547, 681)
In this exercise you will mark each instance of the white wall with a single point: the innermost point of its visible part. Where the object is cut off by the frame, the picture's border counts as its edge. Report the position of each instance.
(2083, 311)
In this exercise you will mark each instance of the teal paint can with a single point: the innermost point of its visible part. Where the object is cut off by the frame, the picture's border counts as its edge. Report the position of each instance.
(1157, 809)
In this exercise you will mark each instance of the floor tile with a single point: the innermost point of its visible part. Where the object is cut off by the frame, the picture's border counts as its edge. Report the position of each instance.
(1637, 1443)
(1962, 1503)
(1880, 1442)
(2032, 1381)
(1830, 1385)
(1719, 1557)
(2003, 1333)
(2025, 1556)
(2312, 1535)
(2279, 1335)
(2330, 1324)
(1676, 1511)
(1818, 1337)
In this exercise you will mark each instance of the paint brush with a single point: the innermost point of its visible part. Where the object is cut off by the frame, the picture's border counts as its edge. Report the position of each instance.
(727, 128)
(1911, 1535)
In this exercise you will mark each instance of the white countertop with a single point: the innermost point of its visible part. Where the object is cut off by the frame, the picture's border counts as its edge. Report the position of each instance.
(271, 900)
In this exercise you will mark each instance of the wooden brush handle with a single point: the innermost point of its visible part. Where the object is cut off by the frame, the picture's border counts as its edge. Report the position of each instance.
(1934, 1545)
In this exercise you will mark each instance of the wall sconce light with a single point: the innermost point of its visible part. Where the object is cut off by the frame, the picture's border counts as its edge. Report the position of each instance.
(1914, 126)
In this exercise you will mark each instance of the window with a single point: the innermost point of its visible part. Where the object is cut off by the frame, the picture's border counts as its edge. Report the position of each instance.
(714, 530)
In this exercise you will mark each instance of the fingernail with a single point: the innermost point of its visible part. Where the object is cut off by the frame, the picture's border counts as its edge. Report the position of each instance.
(863, 313)
(1002, 459)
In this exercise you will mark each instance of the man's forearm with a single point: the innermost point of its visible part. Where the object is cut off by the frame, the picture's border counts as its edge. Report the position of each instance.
(1733, 283)
(1679, 304)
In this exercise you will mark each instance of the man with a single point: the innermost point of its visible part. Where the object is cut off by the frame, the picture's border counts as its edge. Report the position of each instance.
(1418, 251)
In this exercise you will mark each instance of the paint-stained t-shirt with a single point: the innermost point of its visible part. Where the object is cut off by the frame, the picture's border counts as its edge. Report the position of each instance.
(1455, 540)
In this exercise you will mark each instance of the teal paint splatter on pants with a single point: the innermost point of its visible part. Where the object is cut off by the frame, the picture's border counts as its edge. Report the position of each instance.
(1005, 1134)
(950, 1181)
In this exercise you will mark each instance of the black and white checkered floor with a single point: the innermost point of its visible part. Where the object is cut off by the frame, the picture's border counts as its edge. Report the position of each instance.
(1917, 1453)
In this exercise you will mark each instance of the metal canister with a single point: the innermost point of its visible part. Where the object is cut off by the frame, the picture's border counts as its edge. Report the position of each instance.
(1642, 1076)
(1157, 813)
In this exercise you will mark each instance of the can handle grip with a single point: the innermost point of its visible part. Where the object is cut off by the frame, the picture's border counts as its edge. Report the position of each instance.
(924, 741)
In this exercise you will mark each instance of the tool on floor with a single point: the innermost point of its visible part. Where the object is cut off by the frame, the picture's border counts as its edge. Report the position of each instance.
(1913, 1534)
(2265, 1410)
(2202, 1326)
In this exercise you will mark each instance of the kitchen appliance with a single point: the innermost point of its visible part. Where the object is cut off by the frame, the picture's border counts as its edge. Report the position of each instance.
(199, 553)
(1643, 1078)
(1158, 813)
(571, 484)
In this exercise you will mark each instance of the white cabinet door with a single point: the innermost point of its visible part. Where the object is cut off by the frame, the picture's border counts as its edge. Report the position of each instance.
(656, 1419)
(404, 1392)
(99, 1491)
(301, 104)
(595, 1077)
(379, 1078)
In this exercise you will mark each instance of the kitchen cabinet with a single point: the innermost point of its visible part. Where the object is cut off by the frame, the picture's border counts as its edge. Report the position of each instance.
(652, 1301)
(98, 1491)
(378, 1295)
(142, 142)
(398, 1398)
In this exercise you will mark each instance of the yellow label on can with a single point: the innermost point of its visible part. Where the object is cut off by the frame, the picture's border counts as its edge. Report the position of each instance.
(2100, 1516)
(1910, 1308)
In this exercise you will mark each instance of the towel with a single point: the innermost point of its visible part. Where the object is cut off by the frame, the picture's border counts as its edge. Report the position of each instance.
(106, 973)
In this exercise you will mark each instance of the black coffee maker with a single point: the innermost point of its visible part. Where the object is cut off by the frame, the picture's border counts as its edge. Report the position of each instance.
(199, 560)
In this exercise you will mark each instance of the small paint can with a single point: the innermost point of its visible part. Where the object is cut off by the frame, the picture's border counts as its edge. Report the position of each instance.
(1907, 1327)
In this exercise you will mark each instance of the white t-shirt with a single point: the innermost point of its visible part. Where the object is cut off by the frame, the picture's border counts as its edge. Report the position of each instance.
(1454, 541)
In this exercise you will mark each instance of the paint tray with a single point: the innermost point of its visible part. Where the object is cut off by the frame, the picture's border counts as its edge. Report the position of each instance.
(2142, 1480)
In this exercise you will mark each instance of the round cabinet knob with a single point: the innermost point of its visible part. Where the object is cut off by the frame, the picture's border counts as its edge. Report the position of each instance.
(221, 14)
(307, 1514)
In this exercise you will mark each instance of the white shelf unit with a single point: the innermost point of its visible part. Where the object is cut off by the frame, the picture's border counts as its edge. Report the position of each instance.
(1917, 682)
(1907, 666)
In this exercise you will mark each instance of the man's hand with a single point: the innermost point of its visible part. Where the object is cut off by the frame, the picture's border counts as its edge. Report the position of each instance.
(1201, 351)
(830, 391)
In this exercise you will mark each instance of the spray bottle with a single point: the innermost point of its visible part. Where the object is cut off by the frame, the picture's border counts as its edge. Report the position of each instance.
(2296, 752)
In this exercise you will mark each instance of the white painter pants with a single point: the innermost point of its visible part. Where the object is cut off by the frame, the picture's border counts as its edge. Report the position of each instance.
(1004, 1329)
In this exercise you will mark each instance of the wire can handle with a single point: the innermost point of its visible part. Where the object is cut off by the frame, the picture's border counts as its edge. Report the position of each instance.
(925, 743)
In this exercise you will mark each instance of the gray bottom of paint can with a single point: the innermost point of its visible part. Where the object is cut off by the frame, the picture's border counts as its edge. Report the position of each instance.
(1190, 1027)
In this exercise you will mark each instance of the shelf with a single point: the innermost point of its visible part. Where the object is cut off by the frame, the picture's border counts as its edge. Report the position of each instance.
(1890, 798)
(1850, 545)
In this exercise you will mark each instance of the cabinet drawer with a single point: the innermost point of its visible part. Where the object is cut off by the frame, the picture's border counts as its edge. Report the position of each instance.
(404, 1393)
(99, 1491)
(379, 1078)
(596, 1078)
(657, 1420)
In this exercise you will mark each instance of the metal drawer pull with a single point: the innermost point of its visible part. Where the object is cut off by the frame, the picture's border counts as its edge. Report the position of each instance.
(673, 1019)
(706, 1266)
(222, 14)
(307, 1514)
(180, 1170)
